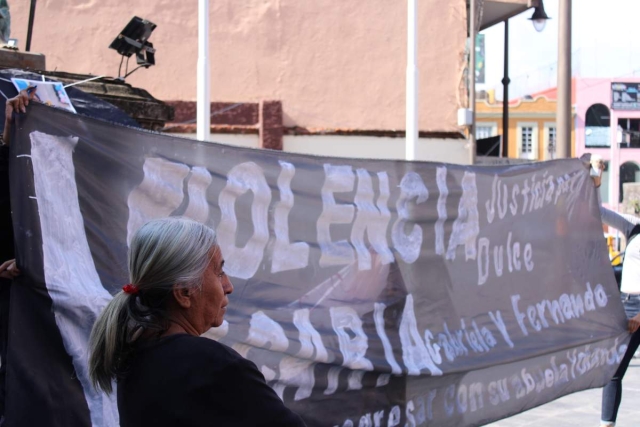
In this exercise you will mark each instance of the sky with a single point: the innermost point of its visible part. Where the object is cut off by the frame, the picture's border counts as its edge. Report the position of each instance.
(605, 43)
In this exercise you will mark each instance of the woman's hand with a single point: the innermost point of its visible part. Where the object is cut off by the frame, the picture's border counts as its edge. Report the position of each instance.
(18, 103)
(634, 323)
(9, 269)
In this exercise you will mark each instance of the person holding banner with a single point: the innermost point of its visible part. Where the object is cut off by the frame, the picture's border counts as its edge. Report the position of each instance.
(630, 293)
(148, 340)
(9, 270)
(8, 267)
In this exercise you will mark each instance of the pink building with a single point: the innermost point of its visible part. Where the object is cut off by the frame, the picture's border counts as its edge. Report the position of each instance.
(607, 123)
(608, 114)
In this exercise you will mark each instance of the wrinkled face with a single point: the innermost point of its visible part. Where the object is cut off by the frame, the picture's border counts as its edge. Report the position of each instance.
(209, 304)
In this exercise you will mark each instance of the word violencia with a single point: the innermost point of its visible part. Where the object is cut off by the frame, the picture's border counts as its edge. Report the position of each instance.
(369, 216)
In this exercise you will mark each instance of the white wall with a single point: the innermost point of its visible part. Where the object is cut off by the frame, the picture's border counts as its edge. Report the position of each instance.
(372, 147)
(367, 147)
(240, 140)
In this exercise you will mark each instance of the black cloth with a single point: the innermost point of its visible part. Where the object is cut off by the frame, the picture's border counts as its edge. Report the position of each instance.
(6, 226)
(188, 381)
(6, 253)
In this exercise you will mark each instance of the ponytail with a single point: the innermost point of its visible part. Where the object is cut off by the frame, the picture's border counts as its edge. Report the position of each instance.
(109, 341)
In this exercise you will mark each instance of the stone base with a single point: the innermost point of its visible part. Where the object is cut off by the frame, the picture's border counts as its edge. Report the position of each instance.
(10, 58)
(139, 104)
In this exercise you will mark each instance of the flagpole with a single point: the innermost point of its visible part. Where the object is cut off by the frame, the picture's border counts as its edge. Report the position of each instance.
(411, 137)
(204, 74)
(472, 82)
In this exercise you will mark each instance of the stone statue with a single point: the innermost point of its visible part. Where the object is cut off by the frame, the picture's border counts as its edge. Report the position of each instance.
(5, 22)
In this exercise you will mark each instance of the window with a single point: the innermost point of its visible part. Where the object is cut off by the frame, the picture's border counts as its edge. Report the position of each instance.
(486, 130)
(629, 172)
(597, 126)
(528, 141)
(550, 139)
(483, 132)
(629, 133)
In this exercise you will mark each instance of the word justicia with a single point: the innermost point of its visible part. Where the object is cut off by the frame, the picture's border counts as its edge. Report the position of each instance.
(369, 216)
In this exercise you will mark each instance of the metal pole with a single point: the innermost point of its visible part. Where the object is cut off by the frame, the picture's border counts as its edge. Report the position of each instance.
(472, 81)
(32, 16)
(614, 168)
(204, 74)
(505, 93)
(563, 138)
(614, 171)
(617, 138)
(412, 82)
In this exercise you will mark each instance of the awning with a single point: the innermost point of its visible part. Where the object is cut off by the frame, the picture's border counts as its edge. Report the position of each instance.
(496, 11)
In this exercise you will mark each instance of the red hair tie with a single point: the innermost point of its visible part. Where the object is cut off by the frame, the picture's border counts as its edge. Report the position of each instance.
(130, 289)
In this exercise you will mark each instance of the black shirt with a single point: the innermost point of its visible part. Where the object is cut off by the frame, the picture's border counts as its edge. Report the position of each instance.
(188, 381)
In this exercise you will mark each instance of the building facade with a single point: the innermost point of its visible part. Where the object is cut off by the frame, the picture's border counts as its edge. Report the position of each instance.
(337, 68)
(606, 120)
(532, 126)
(606, 123)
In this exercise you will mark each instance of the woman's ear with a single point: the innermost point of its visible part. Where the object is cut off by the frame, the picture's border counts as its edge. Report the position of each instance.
(182, 296)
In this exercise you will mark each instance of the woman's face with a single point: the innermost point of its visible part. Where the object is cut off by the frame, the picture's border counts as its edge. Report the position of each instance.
(209, 304)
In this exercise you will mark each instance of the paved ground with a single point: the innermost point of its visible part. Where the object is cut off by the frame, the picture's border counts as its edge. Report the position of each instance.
(583, 409)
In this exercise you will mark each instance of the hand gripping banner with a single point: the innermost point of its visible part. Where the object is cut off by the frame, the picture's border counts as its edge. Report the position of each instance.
(368, 292)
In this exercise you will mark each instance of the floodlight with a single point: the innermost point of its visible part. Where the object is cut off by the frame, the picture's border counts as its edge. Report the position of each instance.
(133, 40)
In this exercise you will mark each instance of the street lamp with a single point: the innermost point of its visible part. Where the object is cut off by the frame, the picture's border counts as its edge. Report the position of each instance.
(539, 17)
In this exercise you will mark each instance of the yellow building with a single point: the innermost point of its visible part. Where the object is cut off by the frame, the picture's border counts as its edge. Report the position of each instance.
(532, 124)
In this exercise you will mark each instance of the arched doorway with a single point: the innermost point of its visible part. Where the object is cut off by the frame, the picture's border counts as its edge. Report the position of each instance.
(598, 126)
(629, 172)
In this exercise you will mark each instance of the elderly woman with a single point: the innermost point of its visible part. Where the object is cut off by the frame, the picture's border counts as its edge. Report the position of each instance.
(148, 339)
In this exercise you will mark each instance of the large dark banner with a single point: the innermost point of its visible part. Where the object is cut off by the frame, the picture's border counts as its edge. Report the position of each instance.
(368, 292)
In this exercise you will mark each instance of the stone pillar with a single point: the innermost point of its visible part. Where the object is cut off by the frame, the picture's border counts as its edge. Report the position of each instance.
(271, 129)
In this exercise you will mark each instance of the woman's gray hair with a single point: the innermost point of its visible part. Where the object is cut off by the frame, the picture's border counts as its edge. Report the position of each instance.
(163, 253)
